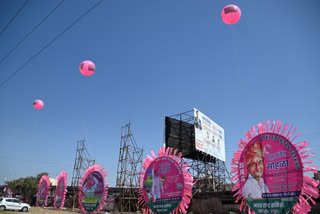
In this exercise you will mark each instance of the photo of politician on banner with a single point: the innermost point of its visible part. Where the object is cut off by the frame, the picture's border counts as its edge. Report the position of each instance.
(166, 186)
(270, 173)
(209, 136)
(163, 185)
(269, 169)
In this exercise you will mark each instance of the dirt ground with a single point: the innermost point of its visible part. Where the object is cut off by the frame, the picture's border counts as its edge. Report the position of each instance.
(50, 210)
(46, 210)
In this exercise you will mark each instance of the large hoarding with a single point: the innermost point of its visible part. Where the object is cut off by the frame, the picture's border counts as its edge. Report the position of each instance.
(271, 176)
(209, 136)
(163, 185)
(92, 191)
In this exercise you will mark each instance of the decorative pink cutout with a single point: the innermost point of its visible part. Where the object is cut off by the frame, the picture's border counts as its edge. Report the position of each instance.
(93, 169)
(43, 190)
(188, 179)
(309, 187)
(5, 192)
(61, 190)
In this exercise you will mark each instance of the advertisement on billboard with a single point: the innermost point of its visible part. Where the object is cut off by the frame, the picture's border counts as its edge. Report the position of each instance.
(209, 136)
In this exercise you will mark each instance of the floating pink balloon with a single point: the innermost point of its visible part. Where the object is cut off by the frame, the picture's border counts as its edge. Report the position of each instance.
(230, 14)
(38, 104)
(87, 68)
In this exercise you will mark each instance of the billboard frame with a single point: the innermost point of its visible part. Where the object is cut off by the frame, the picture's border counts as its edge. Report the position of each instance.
(212, 173)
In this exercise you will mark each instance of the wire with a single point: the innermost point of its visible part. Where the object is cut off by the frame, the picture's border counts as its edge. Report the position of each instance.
(30, 33)
(46, 46)
(25, 3)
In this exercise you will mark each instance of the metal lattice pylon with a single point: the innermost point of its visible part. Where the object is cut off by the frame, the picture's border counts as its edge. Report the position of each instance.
(129, 166)
(82, 162)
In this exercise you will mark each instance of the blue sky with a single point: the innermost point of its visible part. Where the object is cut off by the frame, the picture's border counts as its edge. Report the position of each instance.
(153, 59)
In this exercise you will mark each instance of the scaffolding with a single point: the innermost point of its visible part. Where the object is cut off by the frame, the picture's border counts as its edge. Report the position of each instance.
(82, 162)
(212, 175)
(211, 172)
(129, 166)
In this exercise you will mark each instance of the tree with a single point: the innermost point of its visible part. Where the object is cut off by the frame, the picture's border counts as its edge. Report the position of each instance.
(26, 187)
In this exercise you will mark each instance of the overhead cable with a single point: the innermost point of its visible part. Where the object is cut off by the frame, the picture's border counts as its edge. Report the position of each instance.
(30, 33)
(25, 3)
(47, 45)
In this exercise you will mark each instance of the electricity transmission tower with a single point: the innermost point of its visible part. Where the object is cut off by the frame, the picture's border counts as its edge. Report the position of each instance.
(129, 165)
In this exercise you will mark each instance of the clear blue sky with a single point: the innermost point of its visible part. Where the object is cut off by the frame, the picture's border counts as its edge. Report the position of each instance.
(153, 59)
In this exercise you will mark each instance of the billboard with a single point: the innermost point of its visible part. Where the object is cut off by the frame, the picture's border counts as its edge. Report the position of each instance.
(209, 136)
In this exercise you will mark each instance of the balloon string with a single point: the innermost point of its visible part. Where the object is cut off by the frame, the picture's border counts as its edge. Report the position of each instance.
(236, 65)
(35, 124)
(236, 58)
(85, 107)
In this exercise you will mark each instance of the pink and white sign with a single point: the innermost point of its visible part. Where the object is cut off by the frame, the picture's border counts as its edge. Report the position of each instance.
(43, 191)
(271, 175)
(61, 190)
(166, 186)
(163, 184)
(93, 190)
(269, 171)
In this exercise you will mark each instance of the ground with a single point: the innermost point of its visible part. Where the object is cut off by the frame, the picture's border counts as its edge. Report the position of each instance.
(49, 210)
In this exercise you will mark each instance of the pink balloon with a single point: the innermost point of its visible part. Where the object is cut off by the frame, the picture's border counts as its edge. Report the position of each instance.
(38, 104)
(87, 68)
(230, 14)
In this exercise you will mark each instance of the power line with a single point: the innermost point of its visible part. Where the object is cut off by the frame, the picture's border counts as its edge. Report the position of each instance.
(25, 3)
(30, 33)
(47, 45)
